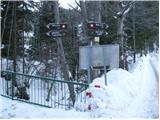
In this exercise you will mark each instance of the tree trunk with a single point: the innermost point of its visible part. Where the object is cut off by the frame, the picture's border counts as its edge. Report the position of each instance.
(84, 19)
(50, 89)
(65, 66)
(120, 38)
(15, 47)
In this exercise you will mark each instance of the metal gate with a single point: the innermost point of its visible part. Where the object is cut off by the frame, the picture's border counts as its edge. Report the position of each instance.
(42, 91)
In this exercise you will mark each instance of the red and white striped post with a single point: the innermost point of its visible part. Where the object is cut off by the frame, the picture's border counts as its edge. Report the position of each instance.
(90, 96)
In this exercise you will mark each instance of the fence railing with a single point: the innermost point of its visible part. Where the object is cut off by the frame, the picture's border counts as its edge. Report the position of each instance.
(41, 90)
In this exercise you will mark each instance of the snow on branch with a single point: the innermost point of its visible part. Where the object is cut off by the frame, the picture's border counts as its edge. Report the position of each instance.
(123, 5)
(74, 9)
(127, 8)
(78, 3)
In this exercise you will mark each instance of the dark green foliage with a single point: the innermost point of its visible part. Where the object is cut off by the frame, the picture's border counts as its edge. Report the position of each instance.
(108, 18)
(70, 41)
(23, 24)
(146, 25)
(41, 43)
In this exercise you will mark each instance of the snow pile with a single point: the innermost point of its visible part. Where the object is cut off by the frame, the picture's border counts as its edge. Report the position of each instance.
(128, 94)
(117, 95)
(120, 86)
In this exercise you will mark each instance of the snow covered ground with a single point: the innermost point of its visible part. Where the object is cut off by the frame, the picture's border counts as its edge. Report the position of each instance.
(17, 109)
(133, 94)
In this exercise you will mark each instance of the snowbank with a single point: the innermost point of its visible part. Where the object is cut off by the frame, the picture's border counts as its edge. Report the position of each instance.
(120, 86)
(117, 95)
(128, 94)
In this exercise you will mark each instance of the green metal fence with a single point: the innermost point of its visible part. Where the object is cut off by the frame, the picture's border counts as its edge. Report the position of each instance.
(41, 90)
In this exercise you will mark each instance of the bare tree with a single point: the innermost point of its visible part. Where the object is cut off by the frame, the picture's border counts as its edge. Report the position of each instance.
(123, 7)
(64, 65)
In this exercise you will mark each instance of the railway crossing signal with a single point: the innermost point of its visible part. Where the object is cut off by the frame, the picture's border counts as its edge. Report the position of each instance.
(57, 30)
(56, 33)
(56, 26)
(97, 29)
(94, 25)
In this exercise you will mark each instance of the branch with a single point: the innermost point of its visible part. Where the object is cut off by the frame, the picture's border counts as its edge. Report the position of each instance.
(74, 9)
(77, 3)
(127, 8)
(111, 11)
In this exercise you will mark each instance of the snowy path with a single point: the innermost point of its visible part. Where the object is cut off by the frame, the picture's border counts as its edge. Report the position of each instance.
(156, 71)
(154, 63)
(147, 102)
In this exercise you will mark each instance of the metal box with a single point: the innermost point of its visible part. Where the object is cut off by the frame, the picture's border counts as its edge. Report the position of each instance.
(99, 56)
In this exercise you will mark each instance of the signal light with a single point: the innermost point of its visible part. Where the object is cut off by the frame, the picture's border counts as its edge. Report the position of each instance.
(56, 30)
(63, 26)
(55, 26)
(95, 25)
(91, 25)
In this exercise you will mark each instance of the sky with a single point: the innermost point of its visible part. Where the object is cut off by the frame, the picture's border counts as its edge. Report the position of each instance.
(64, 3)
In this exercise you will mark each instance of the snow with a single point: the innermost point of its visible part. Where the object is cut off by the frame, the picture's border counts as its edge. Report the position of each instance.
(70, 75)
(132, 94)
(126, 11)
(27, 46)
(128, 94)
(17, 109)
(119, 13)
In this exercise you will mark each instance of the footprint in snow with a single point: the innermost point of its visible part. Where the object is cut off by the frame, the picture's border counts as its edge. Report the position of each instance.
(11, 115)
(13, 107)
(4, 110)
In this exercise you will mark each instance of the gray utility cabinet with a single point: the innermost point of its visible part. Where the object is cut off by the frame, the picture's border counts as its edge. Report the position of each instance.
(99, 56)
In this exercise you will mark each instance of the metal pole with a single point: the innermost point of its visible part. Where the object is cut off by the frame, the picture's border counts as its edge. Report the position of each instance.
(89, 75)
(12, 83)
(105, 71)
(89, 69)
(89, 62)
(134, 42)
(105, 75)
